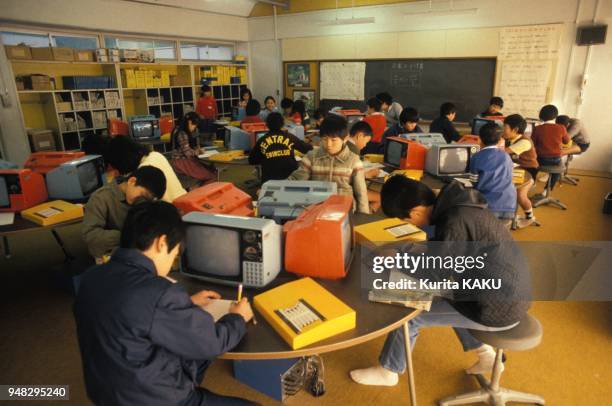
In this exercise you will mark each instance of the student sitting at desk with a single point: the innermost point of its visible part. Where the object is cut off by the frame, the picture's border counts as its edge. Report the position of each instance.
(376, 119)
(334, 162)
(491, 173)
(185, 150)
(548, 139)
(125, 155)
(317, 118)
(496, 104)
(408, 124)
(577, 133)
(245, 97)
(207, 109)
(391, 109)
(444, 123)
(269, 107)
(108, 206)
(275, 151)
(459, 215)
(299, 115)
(143, 339)
(252, 113)
(287, 106)
(522, 152)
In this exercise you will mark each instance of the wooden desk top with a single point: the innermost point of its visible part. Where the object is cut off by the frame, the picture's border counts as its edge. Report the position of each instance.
(263, 342)
(22, 225)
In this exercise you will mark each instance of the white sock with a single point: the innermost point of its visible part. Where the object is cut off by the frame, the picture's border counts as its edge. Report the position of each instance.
(486, 361)
(374, 376)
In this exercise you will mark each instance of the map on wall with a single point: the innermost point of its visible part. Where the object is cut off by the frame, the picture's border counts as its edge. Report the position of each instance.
(343, 80)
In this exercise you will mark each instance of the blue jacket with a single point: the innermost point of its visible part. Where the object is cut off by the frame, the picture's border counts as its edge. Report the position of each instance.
(141, 337)
(491, 174)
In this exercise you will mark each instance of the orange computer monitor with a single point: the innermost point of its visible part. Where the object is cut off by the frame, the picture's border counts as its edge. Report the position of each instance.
(43, 162)
(216, 198)
(404, 154)
(350, 112)
(319, 242)
(21, 189)
(498, 118)
(470, 139)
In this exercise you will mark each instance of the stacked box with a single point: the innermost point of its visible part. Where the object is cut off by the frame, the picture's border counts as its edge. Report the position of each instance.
(165, 78)
(97, 101)
(112, 100)
(42, 54)
(67, 123)
(41, 140)
(62, 54)
(99, 119)
(18, 52)
(146, 55)
(128, 77)
(129, 55)
(84, 55)
(37, 82)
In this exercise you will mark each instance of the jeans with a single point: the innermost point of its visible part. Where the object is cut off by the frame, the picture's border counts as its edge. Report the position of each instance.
(554, 177)
(201, 396)
(393, 355)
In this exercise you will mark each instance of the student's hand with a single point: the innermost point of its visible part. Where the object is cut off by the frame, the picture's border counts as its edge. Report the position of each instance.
(372, 173)
(204, 297)
(242, 308)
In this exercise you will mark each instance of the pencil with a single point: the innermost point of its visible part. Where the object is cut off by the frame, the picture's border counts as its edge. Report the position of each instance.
(239, 292)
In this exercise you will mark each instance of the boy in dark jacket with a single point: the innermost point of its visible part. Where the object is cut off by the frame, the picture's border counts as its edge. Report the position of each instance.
(143, 339)
(408, 124)
(459, 215)
(275, 151)
(444, 123)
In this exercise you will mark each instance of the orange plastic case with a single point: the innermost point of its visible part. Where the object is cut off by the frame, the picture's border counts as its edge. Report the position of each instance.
(216, 198)
(414, 155)
(314, 240)
(254, 127)
(25, 189)
(117, 127)
(470, 139)
(43, 162)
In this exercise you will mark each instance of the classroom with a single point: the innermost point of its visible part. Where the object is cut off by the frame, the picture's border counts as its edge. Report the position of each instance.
(326, 202)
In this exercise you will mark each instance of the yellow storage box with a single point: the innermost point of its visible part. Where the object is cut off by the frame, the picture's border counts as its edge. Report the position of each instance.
(53, 212)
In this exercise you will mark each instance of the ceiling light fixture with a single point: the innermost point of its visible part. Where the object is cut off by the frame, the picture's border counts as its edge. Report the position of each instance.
(348, 21)
(443, 11)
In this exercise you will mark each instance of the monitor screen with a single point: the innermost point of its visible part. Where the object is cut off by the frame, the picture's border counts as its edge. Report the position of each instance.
(394, 152)
(4, 193)
(213, 251)
(142, 129)
(346, 241)
(454, 160)
(89, 178)
(260, 134)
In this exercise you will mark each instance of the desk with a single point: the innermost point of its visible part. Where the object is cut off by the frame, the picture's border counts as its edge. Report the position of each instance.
(21, 225)
(434, 183)
(373, 319)
(223, 166)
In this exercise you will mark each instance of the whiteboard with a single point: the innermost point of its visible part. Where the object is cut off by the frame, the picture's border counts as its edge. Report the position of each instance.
(343, 80)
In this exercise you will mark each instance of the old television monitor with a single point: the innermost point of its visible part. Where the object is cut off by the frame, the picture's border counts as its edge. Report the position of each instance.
(427, 139)
(144, 127)
(43, 162)
(237, 139)
(478, 122)
(401, 153)
(451, 160)
(283, 200)
(76, 180)
(232, 250)
(21, 189)
(297, 130)
(319, 242)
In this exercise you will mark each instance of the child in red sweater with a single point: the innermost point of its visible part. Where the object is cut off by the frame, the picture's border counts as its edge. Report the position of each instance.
(206, 108)
(548, 139)
(376, 119)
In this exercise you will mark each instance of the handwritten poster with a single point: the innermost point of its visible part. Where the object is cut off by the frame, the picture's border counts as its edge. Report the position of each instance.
(343, 80)
(529, 42)
(525, 86)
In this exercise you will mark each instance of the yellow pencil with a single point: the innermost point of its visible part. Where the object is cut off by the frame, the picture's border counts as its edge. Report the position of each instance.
(239, 292)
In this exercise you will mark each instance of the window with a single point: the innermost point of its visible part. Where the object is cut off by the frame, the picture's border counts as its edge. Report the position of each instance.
(74, 41)
(163, 49)
(31, 40)
(206, 52)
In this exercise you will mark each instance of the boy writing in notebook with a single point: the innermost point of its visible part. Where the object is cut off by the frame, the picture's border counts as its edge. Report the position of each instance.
(333, 161)
(496, 104)
(143, 339)
(548, 139)
(491, 173)
(108, 206)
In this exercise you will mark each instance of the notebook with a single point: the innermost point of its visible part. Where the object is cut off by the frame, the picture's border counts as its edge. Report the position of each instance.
(218, 308)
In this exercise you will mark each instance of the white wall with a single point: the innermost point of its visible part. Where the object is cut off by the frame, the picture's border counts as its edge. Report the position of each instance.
(395, 35)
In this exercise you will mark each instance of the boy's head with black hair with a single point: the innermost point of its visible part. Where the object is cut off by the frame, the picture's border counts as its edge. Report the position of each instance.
(490, 134)
(374, 105)
(286, 105)
(275, 122)
(146, 182)
(563, 120)
(361, 134)
(409, 118)
(548, 112)
(407, 199)
(514, 126)
(253, 107)
(386, 100)
(448, 110)
(154, 228)
(318, 116)
(333, 133)
(125, 154)
(246, 95)
(206, 91)
(299, 107)
(496, 104)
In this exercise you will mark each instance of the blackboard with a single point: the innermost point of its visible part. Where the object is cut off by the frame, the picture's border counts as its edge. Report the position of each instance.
(427, 83)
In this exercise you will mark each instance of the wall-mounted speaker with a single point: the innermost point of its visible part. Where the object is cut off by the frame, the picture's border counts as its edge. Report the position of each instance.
(591, 35)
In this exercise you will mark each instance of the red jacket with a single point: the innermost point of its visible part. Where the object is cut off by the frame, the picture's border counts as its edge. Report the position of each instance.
(378, 122)
(207, 107)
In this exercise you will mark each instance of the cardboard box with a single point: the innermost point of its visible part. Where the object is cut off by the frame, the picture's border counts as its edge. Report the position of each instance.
(37, 82)
(112, 51)
(129, 54)
(83, 55)
(63, 106)
(42, 54)
(114, 58)
(18, 52)
(179, 81)
(101, 52)
(102, 58)
(41, 140)
(63, 54)
(146, 55)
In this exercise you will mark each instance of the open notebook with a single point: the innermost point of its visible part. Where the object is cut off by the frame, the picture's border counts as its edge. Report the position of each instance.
(218, 308)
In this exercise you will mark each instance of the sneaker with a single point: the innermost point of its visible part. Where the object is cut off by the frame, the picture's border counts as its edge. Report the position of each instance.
(525, 222)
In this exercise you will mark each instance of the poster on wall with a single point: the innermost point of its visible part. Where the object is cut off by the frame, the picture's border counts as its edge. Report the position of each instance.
(525, 86)
(307, 96)
(343, 80)
(298, 74)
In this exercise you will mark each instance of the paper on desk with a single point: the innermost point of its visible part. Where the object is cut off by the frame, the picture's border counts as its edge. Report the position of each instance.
(208, 153)
(7, 219)
(382, 174)
(218, 308)
(372, 165)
